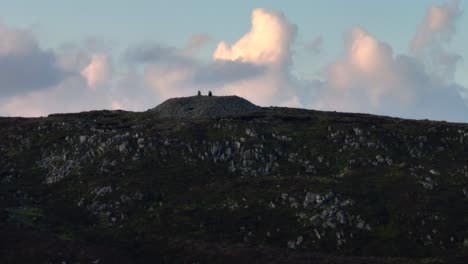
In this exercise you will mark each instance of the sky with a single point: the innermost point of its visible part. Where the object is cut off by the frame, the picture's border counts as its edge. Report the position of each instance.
(398, 58)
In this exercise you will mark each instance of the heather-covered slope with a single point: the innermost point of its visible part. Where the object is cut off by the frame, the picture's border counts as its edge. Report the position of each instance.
(284, 185)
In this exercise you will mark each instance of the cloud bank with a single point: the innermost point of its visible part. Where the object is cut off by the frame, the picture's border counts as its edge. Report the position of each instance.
(97, 71)
(367, 77)
(24, 65)
(371, 78)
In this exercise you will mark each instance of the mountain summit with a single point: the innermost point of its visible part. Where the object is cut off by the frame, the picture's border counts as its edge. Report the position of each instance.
(205, 107)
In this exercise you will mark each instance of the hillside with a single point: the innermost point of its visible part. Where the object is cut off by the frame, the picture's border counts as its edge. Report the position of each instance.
(275, 186)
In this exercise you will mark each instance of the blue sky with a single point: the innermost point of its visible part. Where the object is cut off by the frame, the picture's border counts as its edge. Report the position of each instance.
(111, 28)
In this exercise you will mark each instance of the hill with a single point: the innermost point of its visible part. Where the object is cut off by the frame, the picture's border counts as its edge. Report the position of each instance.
(273, 186)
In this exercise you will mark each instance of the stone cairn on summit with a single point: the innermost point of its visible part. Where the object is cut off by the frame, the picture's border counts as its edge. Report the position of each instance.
(199, 106)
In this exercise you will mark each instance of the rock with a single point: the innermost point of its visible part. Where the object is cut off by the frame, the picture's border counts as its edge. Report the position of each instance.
(231, 167)
(228, 152)
(357, 131)
(310, 169)
(250, 132)
(389, 161)
(379, 159)
(237, 145)
(309, 199)
(102, 191)
(141, 142)
(123, 147)
(299, 240)
(247, 155)
(320, 159)
(361, 224)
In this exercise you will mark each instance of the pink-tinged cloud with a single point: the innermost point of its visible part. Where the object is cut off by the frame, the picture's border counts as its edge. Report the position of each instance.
(172, 81)
(117, 105)
(429, 44)
(98, 70)
(437, 26)
(196, 42)
(368, 68)
(268, 42)
(366, 53)
(370, 78)
(70, 95)
(15, 41)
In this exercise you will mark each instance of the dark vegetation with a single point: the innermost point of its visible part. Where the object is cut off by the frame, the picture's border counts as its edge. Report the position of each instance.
(280, 186)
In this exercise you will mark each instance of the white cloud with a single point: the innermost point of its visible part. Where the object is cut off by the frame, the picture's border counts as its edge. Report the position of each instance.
(98, 70)
(268, 42)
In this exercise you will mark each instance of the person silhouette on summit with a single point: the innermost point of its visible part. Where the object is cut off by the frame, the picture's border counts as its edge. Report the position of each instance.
(210, 94)
(199, 93)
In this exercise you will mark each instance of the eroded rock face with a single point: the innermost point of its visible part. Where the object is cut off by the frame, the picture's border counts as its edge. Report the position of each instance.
(205, 107)
(294, 180)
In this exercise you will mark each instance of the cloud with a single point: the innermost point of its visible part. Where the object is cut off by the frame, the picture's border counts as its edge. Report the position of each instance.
(432, 36)
(370, 78)
(172, 72)
(98, 70)
(268, 42)
(80, 69)
(196, 42)
(68, 96)
(222, 72)
(153, 53)
(437, 26)
(24, 66)
(315, 45)
(174, 78)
